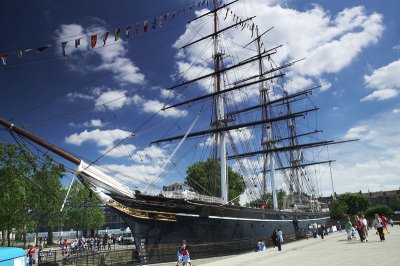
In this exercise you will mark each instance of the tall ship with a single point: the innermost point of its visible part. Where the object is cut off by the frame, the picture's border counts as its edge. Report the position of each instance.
(255, 133)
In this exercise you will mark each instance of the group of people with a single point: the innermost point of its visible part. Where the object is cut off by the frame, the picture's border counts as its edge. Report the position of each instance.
(88, 244)
(361, 225)
(276, 239)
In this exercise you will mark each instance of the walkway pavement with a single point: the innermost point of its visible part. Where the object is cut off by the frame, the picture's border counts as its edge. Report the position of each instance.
(334, 249)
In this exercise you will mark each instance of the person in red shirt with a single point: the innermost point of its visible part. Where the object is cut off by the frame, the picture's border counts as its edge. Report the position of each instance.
(359, 227)
(385, 222)
(31, 255)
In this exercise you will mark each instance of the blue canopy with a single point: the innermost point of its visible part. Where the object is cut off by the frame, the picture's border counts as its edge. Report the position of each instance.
(11, 253)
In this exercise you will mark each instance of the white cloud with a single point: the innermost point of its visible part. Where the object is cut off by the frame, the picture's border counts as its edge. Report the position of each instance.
(329, 43)
(77, 96)
(385, 81)
(150, 154)
(335, 108)
(373, 161)
(121, 151)
(113, 99)
(381, 95)
(242, 134)
(102, 138)
(95, 123)
(91, 123)
(154, 106)
(396, 111)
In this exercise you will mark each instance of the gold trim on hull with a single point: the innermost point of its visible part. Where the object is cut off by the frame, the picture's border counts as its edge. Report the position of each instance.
(143, 214)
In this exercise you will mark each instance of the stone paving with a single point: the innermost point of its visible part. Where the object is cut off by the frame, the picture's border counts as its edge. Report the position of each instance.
(334, 249)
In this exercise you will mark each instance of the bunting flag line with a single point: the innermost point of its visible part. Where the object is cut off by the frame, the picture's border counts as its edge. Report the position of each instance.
(22, 52)
(105, 37)
(93, 40)
(136, 28)
(116, 34)
(77, 42)
(41, 49)
(63, 45)
(157, 22)
(4, 59)
(127, 31)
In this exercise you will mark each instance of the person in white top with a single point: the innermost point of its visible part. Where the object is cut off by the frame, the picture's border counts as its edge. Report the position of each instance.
(378, 224)
(365, 227)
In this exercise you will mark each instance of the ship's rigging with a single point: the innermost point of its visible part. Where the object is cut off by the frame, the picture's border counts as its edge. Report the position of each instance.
(271, 120)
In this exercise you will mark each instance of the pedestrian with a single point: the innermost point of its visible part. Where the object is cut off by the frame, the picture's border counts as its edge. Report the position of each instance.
(339, 226)
(274, 238)
(31, 255)
(364, 227)
(261, 245)
(179, 255)
(280, 239)
(359, 227)
(378, 224)
(40, 251)
(391, 222)
(185, 253)
(385, 222)
(321, 230)
(348, 226)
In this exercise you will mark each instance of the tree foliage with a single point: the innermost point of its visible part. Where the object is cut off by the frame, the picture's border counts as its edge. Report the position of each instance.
(339, 209)
(199, 176)
(395, 203)
(80, 201)
(267, 199)
(15, 171)
(30, 189)
(379, 209)
(349, 204)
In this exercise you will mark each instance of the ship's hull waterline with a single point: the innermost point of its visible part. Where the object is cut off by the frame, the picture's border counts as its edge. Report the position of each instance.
(210, 230)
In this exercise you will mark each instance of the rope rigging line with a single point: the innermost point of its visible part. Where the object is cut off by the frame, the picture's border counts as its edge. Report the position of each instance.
(177, 147)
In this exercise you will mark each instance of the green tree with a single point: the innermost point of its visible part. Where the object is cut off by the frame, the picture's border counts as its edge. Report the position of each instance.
(199, 177)
(267, 199)
(395, 203)
(379, 209)
(81, 201)
(48, 197)
(339, 209)
(15, 171)
(356, 202)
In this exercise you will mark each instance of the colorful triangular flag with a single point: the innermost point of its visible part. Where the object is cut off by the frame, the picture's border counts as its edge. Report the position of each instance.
(41, 49)
(145, 26)
(105, 37)
(21, 53)
(4, 59)
(77, 42)
(137, 28)
(63, 45)
(127, 31)
(154, 24)
(93, 41)
(116, 34)
(161, 21)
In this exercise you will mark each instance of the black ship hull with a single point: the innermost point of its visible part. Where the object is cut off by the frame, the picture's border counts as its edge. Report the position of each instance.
(159, 224)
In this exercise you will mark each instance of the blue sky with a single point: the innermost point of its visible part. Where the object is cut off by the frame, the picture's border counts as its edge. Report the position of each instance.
(351, 48)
